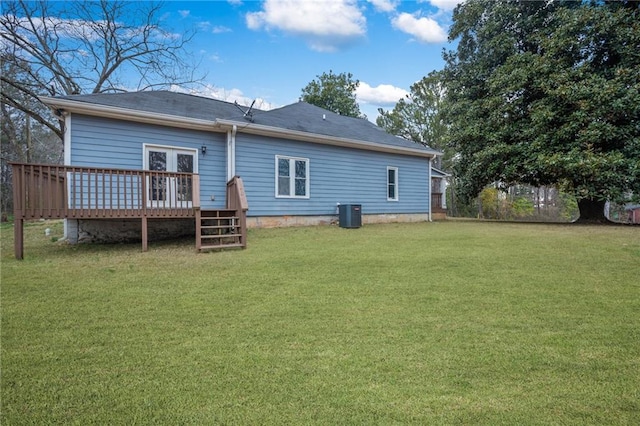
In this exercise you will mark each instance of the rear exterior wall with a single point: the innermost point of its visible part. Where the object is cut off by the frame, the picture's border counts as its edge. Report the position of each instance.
(337, 175)
(108, 143)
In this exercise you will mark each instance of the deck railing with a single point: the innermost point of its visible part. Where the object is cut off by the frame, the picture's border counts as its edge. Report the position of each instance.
(53, 191)
(237, 200)
(44, 191)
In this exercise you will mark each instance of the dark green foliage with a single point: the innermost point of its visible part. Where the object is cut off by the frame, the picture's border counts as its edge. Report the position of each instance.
(418, 118)
(334, 92)
(547, 94)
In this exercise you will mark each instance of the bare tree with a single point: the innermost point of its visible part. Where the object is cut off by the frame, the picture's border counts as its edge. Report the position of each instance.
(74, 47)
(67, 48)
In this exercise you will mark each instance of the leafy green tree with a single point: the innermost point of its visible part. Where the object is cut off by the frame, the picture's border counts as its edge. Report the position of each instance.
(521, 208)
(418, 117)
(334, 92)
(547, 93)
(490, 203)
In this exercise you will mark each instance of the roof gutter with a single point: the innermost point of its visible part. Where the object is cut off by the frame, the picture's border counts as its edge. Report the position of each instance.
(222, 125)
(128, 114)
(261, 130)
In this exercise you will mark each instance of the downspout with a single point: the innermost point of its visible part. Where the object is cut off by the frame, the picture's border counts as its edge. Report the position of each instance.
(67, 137)
(430, 189)
(231, 152)
(68, 227)
(234, 130)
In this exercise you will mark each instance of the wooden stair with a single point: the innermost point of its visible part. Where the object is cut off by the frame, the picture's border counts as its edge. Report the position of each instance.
(224, 228)
(219, 229)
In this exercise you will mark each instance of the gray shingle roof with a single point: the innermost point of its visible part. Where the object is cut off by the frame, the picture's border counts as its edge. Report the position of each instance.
(164, 102)
(300, 116)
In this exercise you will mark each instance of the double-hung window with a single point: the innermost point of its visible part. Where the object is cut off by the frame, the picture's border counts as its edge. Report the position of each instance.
(392, 184)
(292, 177)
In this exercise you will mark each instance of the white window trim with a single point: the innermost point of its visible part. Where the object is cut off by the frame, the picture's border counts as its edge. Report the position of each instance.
(397, 184)
(292, 179)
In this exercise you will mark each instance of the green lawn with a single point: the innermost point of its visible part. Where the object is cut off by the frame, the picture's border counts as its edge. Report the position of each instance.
(430, 323)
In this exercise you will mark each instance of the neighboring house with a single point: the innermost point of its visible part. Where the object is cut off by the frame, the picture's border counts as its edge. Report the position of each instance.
(438, 193)
(633, 213)
(182, 154)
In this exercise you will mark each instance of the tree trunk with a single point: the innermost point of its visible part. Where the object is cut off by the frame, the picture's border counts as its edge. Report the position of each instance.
(591, 211)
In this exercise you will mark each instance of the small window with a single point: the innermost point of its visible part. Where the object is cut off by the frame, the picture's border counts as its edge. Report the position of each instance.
(392, 184)
(292, 177)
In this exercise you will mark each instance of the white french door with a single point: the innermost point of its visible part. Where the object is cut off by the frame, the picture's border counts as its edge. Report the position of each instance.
(170, 192)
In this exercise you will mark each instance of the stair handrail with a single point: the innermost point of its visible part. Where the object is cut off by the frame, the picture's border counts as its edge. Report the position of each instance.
(237, 200)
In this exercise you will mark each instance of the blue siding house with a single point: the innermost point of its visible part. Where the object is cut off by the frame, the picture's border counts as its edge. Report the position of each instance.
(297, 163)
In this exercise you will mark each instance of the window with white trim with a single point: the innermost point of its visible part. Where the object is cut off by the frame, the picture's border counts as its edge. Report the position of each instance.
(292, 177)
(392, 184)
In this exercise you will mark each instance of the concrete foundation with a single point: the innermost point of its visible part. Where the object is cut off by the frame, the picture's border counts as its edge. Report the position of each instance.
(130, 230)
(439, 216)
(284, 221)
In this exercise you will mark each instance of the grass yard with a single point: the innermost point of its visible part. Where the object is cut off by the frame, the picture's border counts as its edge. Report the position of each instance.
(430, 323)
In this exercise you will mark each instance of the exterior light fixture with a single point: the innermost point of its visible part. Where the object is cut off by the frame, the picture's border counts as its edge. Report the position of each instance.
(203, 149)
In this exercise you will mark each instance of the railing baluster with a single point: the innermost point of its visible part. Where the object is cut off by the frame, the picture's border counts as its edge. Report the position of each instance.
(65, 193)
(118, 191)
(110, 214)
(39, 193)
(54, 191)
(95, 195)
(131, 195)
(72, 191)
(82, 194)
(144, 195)
(46, 193)
(104, 190)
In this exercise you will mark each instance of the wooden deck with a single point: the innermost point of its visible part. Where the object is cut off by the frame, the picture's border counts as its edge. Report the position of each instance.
(45, 191)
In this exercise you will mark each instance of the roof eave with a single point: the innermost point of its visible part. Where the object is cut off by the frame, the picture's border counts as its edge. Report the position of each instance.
(108, 111)
(67, 105)
(444, 174)
(262, 130)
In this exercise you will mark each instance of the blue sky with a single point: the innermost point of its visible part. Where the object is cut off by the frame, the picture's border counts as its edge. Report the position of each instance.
(269, 50)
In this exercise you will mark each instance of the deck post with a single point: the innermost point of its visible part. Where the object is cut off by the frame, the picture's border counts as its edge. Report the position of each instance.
(198, 214)
(19, 204)
(195, 197)
(145, 234)
(18, 238)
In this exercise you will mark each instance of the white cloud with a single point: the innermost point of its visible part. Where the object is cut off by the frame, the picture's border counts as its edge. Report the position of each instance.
(383, 94)
(325, 25)
(425, 30)
(219, 29)
(384, 5)
(445, 4)
(203, 25)
(184, 13)
(213, 57)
